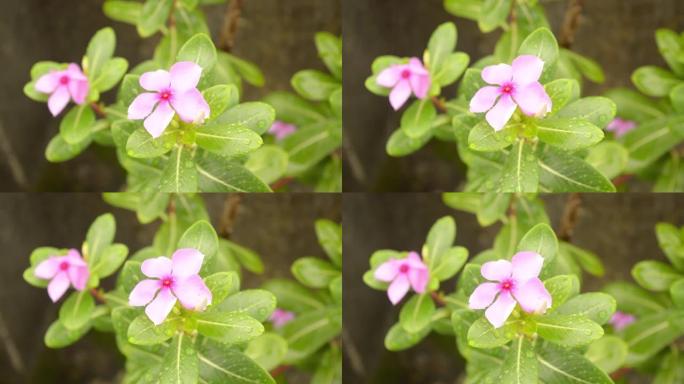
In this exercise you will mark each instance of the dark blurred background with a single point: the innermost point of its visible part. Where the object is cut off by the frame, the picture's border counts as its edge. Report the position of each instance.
(276, 35)
(280, 228)
(619, 34)
(618, 228)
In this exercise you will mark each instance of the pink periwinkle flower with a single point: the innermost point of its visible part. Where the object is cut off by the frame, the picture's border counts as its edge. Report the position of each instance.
(281, 130)
(63, 271)
(405, 79)
(621, 320)
(517, 281)
(516, 85)
(173, 91)
(280, 317)
(410, 272)
(620, 126)
(62, 86)
(174, 279)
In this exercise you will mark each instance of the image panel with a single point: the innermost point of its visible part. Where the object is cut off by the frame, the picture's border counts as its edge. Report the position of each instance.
(489, 288)
(157, 288)
(514, 96)
(172, 95)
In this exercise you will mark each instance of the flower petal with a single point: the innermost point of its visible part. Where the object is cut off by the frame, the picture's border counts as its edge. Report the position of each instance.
(389, 77)
(400, 94)
(142, 106)
(497, 74)
(157, 121)
(158, 267)
(498, 313)
(58, 100)
(417, 68)
(498, 116)
(78, 276)
(484, 99)
(48, 82)
(420, 85)
(161, 306)
(414, 261)
(526, 265)
(398, 289)
(193, 293)
(527, 69)
(58, 285)
(533, 296)
(387, 271)
(48, 268)
(418, 279)
(496, 270)
(155, 80)
(483, 295)
(78, 90)
(533, 99)
(143, 292)
(186, 262)
(185, 75)
(191, 106)
(74, 72)
(74, 258)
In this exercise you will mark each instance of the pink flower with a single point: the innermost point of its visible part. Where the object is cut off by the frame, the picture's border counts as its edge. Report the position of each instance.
(517, 85)
(620, 127)
(621, 320)
(281, 130)
(174, 92)
(280, 317)
(176, 278)
(516, 281)
(404, 79)
(406, 273)
(62, 271)
(70, 83)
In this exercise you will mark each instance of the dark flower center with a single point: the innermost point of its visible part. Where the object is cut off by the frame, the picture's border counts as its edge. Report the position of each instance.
(63, 266)
(404, 268)
(64, 80)
(506, 285)
(165, 95)
(167, 282)
(405, 74)
(507, 88)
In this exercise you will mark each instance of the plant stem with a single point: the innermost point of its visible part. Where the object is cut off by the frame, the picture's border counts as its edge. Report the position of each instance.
(569, 219)
(439, 104)
(98, 295)
(231, 207)
(99, 109)
(570, 23)
(230, 25)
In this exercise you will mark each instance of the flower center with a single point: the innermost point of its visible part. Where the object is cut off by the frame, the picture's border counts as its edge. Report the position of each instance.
(405, 74)
(64, 80)
(404, 268)
(165, 95)
(63, 266)
(167, 282)
(506, 285)
(507, 88)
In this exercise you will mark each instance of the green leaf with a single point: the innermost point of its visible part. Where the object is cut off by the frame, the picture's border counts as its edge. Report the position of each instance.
(483, 335)
(671, 369)
(250, 72)
(442, 43)
(469, 9)
(562, 172)
(257, 303)
(311, 144)
(492, 208)
(521, 171)
(453, 67)
(440, 238)
(471, 83)
(293, 109)
(220, 97)
(308, 332)
(398, 339)
(124, 11)
(228, 327)
(221, 285)
(569, 330)
(268, 350)
(268, 163)
(633, 299)
(200, 236)
(655, 275)
(671, 47)
(329, 235)
(227, 140)
(609, 158)
(670, 241)
(292, 296)
(417, 119)
(587, 260)
(588, 67)
(562, 288)
(223, 364)
(142, 145)
(179, 174)
(314, 85)
(129, 89)
(649, 141)
(559, 365)
(58, 336)
(217, 174)
(650, 334)
(329, 49)
(632, 105)
(100, 235)
(110, 75)
(598, 111)
(677, 98)
(520, 365)
(543, 44)
(200, 50)
(677, 293)
(314, 272)
(654, 81)
(542, 240)
(595, 306)
(76, 311)
(401, 144)
(493, 14)
(484, 138)
(75, 126)
(110, 260)
(153, 16)
(253, 115)
(417, 313)
(562, 92)
(450, 263)
(569, 134)
(247, 258)
(607, 353)
(142, 331)
(100, 50)
(180, 363)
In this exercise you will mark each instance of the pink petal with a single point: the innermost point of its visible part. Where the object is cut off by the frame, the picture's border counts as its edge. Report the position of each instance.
(160, 307)
(193, 293)
(74, 72)
(498, 313)
(533, 99)
(417, 68)
(398, 289)
(527, 69)
(483, 295)
(47, 269)
(280, 317)
(78, 90)
(400, 94)
(158, 267)
(281, 129)
(142, 106)
(48, 82)
(158, 120)
(526, 265)
(58, 285)
(498, 116)
(143, 292)
(74, 258)
(191, 106)
(185, 75)
(419, 279)
(484, 99)
(533, 296)
(387, 271)
(496, 270)
(414, 261)
(187, 262)
(58, 100)
(497, 74)
(390, 76)
(420, 85)
(78, 276)
(155, 80)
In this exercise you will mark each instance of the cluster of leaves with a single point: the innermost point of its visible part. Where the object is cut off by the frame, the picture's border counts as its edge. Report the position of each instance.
(312, 153)
(652, 149)
(312, 339)
(560, 152)
(657, 302)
